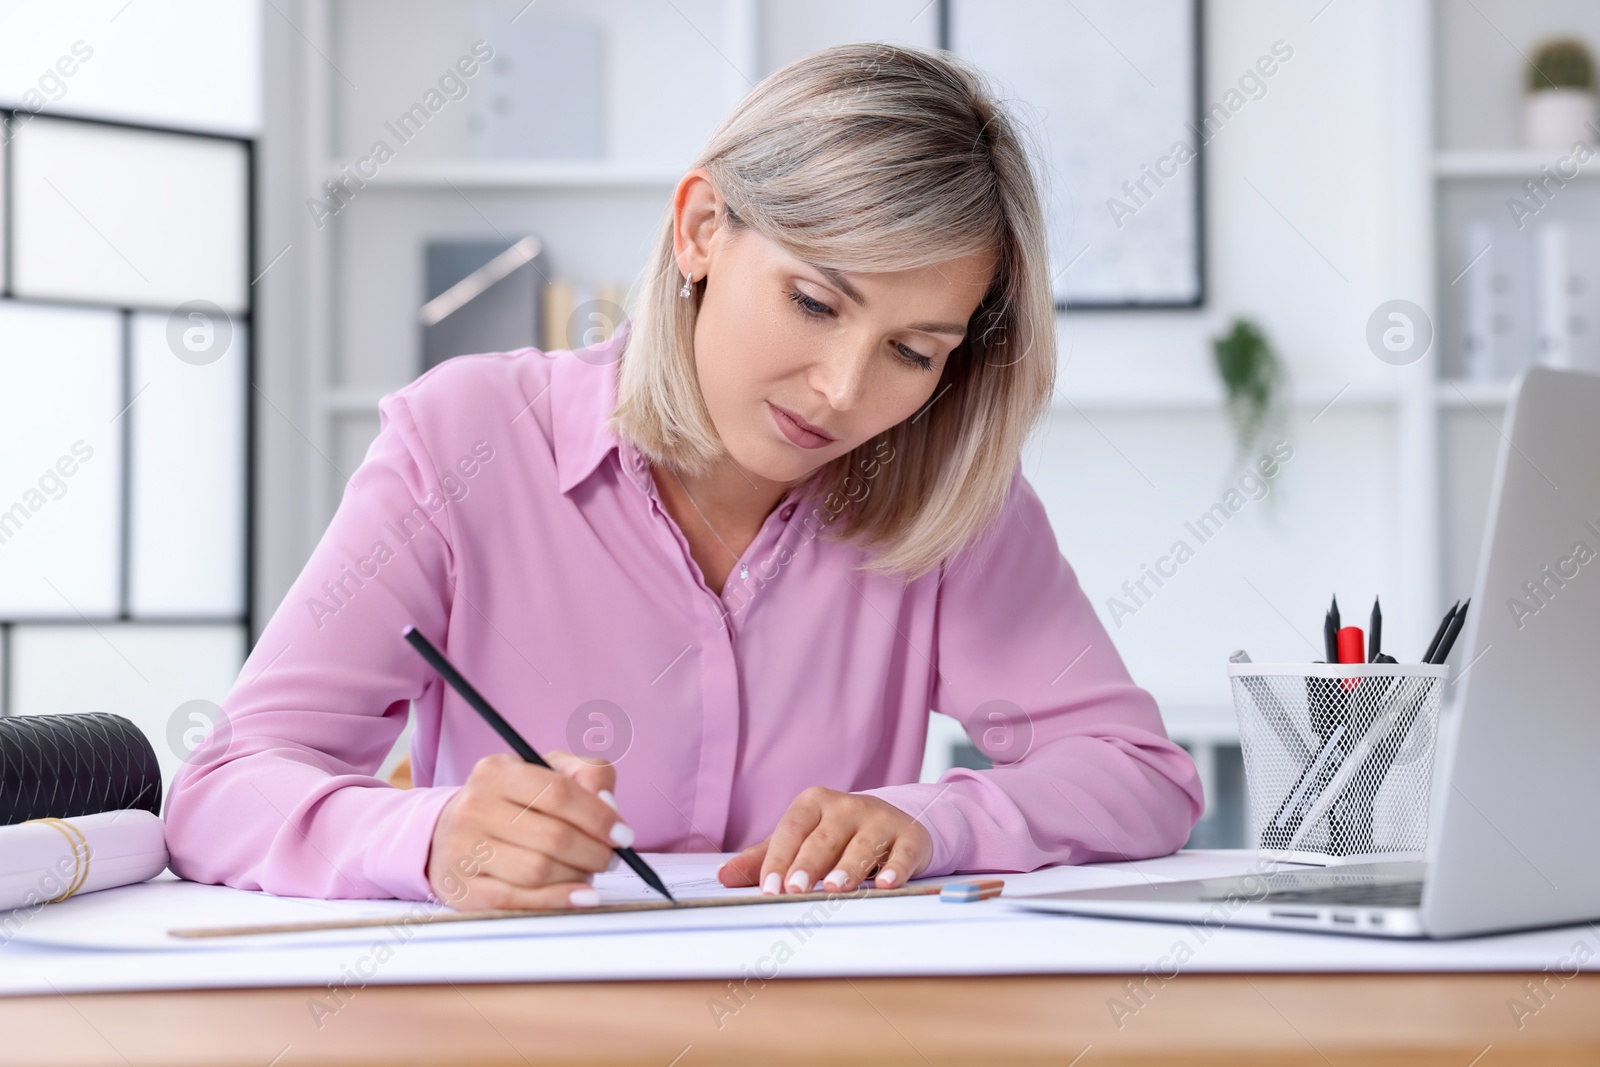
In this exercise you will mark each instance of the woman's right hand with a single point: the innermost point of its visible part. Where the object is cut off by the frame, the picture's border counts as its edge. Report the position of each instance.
(518, 835)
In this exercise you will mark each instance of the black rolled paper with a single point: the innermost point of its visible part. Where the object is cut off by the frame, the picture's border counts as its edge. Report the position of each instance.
(61, 766)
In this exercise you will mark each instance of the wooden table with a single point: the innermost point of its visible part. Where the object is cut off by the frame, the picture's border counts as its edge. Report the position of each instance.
(1328, 1021)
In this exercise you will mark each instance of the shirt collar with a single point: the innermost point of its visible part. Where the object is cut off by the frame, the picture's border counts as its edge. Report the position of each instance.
(583, 394)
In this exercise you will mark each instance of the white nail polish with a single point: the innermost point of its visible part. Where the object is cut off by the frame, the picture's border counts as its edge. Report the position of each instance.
(616, 861)
(772, 883)
(836, 879)
(605, 795)
(800, 881)
(887, 877)
(584, 898)
(622, 835)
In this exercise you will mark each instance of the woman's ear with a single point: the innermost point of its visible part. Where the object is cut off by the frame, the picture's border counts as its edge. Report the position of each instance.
(697, 215)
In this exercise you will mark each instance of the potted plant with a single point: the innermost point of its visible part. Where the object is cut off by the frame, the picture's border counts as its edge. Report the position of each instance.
(1560, 106)
(1252, 377)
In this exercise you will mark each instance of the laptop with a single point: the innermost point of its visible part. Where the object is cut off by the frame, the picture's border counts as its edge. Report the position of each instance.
(1516, 787)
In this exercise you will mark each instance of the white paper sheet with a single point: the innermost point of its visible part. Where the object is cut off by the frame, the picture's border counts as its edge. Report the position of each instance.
(748, 943)
(138, 917)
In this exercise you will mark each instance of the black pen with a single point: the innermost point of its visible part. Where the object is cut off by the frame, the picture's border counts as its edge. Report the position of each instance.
(514, 739)
(1375, 632)
(1438, 635)
(1330, 633)
(1449, 639)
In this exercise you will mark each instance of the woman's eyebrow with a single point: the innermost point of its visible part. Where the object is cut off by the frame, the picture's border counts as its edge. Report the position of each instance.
(954, 329)
(840, 283)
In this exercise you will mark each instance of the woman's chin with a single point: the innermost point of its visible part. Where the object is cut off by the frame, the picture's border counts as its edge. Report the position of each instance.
(781, 463)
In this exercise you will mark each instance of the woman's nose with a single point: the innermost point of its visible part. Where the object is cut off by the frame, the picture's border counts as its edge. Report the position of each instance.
(841, 376)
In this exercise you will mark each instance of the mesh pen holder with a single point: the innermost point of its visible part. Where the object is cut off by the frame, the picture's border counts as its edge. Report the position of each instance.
(1338, 758)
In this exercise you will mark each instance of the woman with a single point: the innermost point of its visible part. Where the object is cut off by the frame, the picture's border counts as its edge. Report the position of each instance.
(739, 550)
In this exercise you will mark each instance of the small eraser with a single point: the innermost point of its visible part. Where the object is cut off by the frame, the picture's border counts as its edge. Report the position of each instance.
(963, 892)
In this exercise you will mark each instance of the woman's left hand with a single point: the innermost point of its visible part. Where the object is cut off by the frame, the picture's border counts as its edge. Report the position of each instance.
(844, 838)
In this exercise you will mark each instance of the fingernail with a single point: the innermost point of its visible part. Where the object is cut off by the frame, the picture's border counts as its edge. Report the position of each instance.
(887, 876)
(584, 898)
(772, 883)
(605, 795)
(622, 835)
(799, 881)
(616, 861)
(836, 879)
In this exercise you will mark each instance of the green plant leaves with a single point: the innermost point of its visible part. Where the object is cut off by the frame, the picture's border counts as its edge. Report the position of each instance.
(1251, 375)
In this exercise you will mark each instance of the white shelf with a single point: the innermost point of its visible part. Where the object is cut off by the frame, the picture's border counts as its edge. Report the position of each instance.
(1504, 163)
(1315, 396)
(508, 174)
(1460, 393)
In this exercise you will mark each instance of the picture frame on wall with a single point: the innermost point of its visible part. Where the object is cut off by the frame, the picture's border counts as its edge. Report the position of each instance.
(1110, 92)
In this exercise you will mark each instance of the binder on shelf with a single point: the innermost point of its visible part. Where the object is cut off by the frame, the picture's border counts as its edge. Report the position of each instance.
(482, 297)
(1567, 281)
(1550, 287)
(1531, 295)
(543, 92)
(1498, 302)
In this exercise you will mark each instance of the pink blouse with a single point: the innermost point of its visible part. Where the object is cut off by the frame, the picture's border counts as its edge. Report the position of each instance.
(497, 513)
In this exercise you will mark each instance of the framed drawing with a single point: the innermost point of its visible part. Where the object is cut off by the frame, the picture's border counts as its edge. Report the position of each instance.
(1111, 93)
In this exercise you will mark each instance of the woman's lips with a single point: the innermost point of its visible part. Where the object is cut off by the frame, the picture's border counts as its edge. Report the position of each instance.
(797, 433)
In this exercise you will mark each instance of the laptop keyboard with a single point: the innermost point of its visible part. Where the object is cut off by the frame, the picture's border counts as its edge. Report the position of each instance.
(1331, 887)
(1386, 895)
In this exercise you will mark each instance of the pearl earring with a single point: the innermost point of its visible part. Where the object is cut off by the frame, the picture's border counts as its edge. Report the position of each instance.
(684, 292)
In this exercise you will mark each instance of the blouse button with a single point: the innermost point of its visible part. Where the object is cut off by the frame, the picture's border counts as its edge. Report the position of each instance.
(788, 510)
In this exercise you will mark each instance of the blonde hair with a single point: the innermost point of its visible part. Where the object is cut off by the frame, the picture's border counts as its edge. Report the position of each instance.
(874, 157)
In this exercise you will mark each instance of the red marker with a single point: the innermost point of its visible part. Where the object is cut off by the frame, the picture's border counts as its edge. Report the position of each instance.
(1352, 649)
(1352, 645)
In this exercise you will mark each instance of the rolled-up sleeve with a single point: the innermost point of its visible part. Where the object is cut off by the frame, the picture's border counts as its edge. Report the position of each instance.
(283, 797)
(1084, 770)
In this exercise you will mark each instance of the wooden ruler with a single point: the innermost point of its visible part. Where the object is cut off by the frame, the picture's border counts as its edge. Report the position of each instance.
(537, 913)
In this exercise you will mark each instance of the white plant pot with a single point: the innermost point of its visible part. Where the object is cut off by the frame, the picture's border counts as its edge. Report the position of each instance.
(1553, 119)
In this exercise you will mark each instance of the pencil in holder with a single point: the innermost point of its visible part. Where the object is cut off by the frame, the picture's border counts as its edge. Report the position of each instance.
(1338, 758)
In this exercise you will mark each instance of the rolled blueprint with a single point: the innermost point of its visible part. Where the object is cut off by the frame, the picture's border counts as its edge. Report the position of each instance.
(49, 860)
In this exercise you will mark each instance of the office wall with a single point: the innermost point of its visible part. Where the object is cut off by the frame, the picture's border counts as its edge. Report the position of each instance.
(1306, 229)
(1300, 230)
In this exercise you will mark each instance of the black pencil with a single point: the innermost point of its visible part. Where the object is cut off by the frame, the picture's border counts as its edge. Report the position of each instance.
(1330, 633)
(1438, 635)
(1446, 642)
(514, 739)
